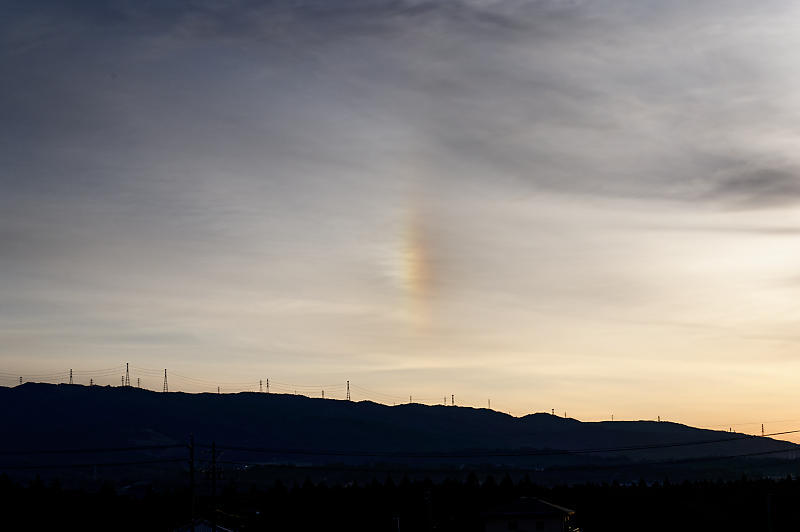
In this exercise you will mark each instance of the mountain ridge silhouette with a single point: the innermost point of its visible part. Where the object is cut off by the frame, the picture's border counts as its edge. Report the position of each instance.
(283, 427)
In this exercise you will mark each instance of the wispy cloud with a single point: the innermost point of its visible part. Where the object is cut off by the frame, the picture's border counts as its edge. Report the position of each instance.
(199, 174)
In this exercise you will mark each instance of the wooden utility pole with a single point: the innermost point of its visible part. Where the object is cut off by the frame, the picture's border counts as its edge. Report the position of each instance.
(214, 485)
(191, 480)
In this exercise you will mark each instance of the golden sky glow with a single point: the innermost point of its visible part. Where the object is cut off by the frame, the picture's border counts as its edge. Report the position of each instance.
(590, 229)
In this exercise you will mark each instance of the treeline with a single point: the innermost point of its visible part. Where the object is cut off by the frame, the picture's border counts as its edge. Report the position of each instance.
(386, 503)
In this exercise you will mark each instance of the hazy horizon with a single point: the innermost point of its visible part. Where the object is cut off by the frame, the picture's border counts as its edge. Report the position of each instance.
(585, 206)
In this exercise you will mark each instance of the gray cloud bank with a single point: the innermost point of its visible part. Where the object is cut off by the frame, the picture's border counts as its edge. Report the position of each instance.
(685, 100)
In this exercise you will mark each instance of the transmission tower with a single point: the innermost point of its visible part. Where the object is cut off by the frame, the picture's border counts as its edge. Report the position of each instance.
(91, 382)
(452, 399)
(260, 386)
(348, 390)
(138, 382)
(323, 394)
(267, 385)
(70, 376)
(20, 380)
(122, 380)
(166, 386)
(127, 376)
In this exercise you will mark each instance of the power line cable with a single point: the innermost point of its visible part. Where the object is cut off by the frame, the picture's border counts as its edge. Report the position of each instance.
(92, 464)
(90, 450)
(490, 453)
(466, 467)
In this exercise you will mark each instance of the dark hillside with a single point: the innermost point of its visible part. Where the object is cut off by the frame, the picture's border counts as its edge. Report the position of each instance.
(44, 416)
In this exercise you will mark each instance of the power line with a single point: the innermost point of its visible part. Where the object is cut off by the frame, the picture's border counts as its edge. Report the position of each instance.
(35, 375)
(403, 468)
(460, 454)
(496, 453)
(92, 464)
(89, 450)
(673, 461)
(463, 467)
(354, 453)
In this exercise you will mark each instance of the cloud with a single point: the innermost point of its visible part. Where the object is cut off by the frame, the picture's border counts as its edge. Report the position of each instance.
(760, 188)
(234, 176)
(612, 99)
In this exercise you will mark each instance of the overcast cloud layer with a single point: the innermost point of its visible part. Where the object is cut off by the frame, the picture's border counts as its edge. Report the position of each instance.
(592, 206)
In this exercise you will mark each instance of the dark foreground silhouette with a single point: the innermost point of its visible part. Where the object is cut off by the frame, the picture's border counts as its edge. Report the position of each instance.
(103, 458)
(389, 505)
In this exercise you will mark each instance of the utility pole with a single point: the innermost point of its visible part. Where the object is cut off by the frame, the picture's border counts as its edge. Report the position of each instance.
(770, 527)
(138, 382)
(70, 376)
(452, 399)
(612, 417)
(409, 400)
(762, 429)
(323, 394)
(191, 480)
(659, 419)
(214, 485)
(490, 403)
(218, 390)
(127, 376)
(165, 389)
(348, 390)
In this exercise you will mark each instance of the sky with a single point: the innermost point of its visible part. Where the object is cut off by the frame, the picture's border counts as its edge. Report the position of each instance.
(586, 206)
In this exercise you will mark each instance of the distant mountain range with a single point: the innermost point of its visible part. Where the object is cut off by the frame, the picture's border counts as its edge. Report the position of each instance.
(279, 428)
